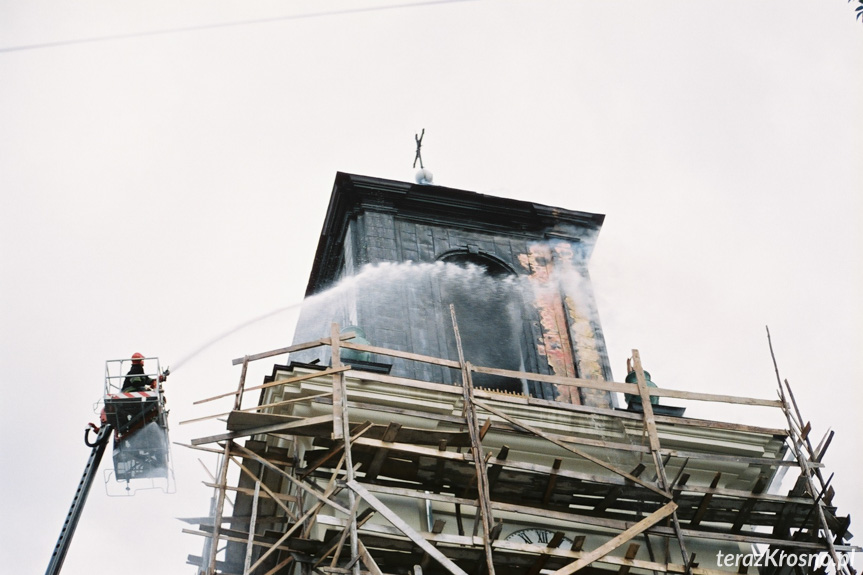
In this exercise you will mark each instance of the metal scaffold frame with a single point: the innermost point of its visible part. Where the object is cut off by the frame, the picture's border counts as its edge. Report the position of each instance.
(354, 466)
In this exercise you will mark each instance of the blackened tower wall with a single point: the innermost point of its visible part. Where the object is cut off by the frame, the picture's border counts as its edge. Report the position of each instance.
(529, 305)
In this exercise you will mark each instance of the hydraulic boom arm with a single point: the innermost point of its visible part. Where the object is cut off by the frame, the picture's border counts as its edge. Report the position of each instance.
(68, 530)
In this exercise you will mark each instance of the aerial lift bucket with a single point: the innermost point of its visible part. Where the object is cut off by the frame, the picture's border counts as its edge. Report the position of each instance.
(141, 454)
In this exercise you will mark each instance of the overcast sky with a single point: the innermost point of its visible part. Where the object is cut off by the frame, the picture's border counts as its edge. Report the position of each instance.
(160, 188)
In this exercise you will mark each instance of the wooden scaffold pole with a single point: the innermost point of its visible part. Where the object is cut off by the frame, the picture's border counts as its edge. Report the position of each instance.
(223, 477)
(476, 448)
(340, 414)
(655, 449)
(805, 469)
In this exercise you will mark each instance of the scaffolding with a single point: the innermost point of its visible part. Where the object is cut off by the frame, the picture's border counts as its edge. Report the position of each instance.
(346, 470)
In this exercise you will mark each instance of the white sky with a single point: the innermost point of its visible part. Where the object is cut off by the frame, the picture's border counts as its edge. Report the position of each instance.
(160, 189)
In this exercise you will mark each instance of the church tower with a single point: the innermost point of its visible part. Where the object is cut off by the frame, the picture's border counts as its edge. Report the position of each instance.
(395, 255)
(447, 408)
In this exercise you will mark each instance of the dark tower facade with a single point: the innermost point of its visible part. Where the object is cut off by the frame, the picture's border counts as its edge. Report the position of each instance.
(393, 256)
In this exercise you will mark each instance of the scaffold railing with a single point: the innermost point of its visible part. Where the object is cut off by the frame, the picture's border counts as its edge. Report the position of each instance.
(333, 455)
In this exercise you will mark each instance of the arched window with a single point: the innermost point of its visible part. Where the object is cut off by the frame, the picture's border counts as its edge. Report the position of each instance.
(488, 308)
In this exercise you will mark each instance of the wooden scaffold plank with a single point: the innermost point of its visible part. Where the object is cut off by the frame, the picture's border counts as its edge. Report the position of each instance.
(322, 497)
(618, 540)
(559, 443)
(275, 383)
(331, 490)
(290, 349)
(540, 562)
(402, 526)
(368, 560)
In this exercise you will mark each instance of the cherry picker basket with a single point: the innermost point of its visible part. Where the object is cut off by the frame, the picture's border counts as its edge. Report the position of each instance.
(135, 408)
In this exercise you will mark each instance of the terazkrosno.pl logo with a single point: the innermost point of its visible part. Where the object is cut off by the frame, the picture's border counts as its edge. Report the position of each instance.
(781, 558)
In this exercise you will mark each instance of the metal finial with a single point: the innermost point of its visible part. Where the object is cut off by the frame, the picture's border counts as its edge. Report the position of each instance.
(419, 157)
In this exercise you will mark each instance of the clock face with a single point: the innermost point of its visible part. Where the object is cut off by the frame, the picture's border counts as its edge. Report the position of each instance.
(537, 537)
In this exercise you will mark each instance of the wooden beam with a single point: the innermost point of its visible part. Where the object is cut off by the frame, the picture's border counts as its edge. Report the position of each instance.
(699, 455)
(290, 349)
(223, 477)
(334, 545)
(339, 386)
(705, 502)
(578, 542)
(381, 454)
(288, 401)
(436, 528)
(485, 427)
(368, 560)
(441, 463)
(356, 432)
(546, 469)
(746, 508)
(655, 447)
(331, 490)
(494, 470)
(618, 524)
(277, 545)
(402, 355)
(552, 481)
(402, 526)
(630, 554)
(277, 382)
(466, 541)
(433, 416)
(322, 497)
(476, 446)
(711, 424)
(559, 443)
(220, 507)
(617, 414)
(273, 428)
(540, 562)
(341, 429)
(592, 520)
(251, 541)
(281, 565)
(822, 447)
(618, 540)
(628, 387)
(615, 490)
(238, 400)
(276, 497)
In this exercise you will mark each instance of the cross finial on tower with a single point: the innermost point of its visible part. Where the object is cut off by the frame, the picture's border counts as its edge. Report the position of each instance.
(423, 176)
(419, 157)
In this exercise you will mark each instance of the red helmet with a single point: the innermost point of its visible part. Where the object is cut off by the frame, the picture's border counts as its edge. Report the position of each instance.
(137, 359)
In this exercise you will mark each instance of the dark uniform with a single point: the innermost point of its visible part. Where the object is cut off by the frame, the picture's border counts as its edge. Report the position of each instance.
(136, 380)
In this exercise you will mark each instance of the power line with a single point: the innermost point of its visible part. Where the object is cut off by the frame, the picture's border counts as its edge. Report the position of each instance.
(183, 29)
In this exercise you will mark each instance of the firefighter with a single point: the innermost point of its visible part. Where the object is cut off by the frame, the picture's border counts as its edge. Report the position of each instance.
(136, 379)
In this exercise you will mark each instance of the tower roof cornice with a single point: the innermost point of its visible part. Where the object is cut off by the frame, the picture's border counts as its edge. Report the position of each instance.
(355, 194)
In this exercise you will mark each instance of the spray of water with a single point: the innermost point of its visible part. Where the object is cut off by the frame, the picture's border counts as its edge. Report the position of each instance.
(204, 346)
(396, 281)
(422, 286)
